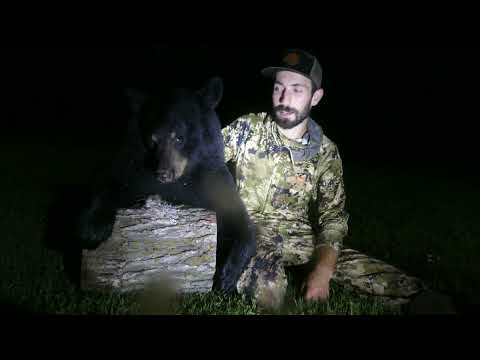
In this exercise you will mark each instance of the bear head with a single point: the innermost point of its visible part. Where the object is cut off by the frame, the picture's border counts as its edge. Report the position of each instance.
(181, 131)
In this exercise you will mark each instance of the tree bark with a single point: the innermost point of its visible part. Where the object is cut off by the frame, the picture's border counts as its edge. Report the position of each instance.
(155, 243)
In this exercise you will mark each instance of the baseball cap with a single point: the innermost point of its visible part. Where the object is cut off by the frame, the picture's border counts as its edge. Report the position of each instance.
(298, 61)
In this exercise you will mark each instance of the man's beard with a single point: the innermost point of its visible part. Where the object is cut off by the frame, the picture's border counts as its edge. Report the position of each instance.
(286, 123)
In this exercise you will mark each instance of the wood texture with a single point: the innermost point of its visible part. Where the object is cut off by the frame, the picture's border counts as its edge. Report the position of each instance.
(157, 242)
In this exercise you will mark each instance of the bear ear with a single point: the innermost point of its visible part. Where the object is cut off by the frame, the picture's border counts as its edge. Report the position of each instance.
(136, 99)
(212, 92)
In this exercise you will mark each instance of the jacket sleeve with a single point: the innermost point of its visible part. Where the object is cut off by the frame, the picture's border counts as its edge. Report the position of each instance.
(332, 218)
(234, 135)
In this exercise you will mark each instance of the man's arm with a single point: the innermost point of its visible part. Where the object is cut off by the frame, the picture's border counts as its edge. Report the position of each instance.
(234, 135)
(318, 281)
(332, 226)
(229, 143)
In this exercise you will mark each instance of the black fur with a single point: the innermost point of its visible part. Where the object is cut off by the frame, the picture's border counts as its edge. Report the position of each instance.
(206, 182)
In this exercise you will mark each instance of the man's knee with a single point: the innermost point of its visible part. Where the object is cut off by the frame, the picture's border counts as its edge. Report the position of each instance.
(264, 282)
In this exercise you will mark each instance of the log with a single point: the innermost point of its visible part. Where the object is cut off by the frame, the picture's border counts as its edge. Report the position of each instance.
(155, 243)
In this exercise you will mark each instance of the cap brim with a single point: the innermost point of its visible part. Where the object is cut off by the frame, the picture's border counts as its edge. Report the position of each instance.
(271, 71)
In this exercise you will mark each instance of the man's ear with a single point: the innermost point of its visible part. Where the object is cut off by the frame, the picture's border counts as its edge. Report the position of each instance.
(212, 92)
(317, 96)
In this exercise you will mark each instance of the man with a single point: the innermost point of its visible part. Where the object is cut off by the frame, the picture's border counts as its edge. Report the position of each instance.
(289, 175)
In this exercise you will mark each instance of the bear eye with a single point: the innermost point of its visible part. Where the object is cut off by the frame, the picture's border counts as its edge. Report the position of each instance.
(179, 139)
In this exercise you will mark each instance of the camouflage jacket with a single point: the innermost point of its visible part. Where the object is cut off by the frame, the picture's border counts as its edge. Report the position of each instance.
(296, 187)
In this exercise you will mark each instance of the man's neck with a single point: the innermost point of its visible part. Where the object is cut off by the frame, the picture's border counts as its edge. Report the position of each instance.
(296, 132)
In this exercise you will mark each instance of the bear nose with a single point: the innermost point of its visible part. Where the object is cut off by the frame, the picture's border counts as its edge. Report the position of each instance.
(164, 175)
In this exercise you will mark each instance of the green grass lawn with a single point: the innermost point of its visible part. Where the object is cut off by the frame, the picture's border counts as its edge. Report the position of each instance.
(421, 222)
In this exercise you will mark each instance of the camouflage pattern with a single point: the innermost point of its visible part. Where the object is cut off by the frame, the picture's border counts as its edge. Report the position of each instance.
(294, 193)
(285, 183)
(265, 278)
(369, 276)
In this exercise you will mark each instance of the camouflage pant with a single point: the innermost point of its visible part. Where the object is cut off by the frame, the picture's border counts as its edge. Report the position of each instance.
(265, 279)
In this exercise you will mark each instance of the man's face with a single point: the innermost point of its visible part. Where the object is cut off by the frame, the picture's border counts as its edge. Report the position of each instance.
(292, 98)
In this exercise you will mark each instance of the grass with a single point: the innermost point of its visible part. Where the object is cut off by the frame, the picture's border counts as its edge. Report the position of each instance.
(412, 220)
(422, 222)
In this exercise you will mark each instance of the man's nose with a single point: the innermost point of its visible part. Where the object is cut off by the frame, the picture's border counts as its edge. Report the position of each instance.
(284, 97)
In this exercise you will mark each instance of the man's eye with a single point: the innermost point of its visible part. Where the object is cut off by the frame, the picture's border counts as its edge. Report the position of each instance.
(297, 90)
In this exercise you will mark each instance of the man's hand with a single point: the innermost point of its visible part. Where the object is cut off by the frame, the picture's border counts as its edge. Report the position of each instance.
(317, 285)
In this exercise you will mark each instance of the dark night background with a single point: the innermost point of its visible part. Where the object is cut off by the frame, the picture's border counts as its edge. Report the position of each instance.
(404, 110)
(385, 106)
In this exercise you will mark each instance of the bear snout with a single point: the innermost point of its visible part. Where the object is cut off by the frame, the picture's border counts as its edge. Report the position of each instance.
(165, 176)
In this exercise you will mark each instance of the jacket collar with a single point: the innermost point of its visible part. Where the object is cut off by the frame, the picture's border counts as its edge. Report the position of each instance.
(305, 148)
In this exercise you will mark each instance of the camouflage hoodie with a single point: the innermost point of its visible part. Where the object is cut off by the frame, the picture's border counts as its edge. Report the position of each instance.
(295, 186)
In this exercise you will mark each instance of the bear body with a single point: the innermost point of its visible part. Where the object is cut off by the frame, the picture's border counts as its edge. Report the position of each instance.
(175, 150)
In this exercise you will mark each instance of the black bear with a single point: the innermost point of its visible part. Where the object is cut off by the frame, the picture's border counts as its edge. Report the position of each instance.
(175, 150)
